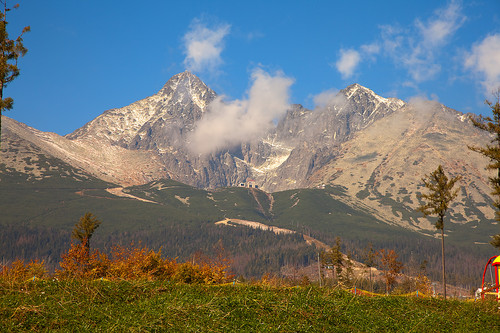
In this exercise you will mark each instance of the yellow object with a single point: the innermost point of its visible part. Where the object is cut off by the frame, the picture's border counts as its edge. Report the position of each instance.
(494, 287)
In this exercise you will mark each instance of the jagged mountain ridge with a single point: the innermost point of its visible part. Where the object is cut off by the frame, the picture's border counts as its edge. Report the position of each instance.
(377, 148)
(161, 123)
(181, 101)
(313, 137)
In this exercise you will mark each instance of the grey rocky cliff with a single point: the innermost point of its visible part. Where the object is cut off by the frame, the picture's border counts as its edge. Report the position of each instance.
(312, 138)
(161, 124)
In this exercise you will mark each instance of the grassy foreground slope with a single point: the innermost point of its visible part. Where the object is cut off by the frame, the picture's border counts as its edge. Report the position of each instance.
(159, 306)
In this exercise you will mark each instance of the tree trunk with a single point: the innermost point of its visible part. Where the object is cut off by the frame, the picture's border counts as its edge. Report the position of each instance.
(1, 97)
(0, 132)
(371, 282)
(442, 251)
(319, 270)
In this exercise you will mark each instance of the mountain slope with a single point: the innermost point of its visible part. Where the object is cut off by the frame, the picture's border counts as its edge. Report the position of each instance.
(159, 125)
(110, 163)
(180, 102)
(382, 166)
(377, 148)
(306, 140)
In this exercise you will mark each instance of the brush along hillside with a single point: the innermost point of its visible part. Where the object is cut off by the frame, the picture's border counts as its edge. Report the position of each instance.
(135, 288)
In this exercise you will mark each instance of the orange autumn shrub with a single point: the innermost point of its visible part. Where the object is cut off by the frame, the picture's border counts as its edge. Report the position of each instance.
(213, 272)
(188, 273)
(270, 280)
(424, 285)
(139, 263)
(213, 269)
(127, 263)
(19, 271)
(79, 263)
(207, 273)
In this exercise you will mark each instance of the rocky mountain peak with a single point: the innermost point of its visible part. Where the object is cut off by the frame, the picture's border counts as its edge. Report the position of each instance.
(354, 88)
(183, 79)
(377, 148)
(367, 105)
(186, 87)
(356, 91)
(183, 98)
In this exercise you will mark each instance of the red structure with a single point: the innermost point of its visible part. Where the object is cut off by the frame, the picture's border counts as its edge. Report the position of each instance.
(494, 288)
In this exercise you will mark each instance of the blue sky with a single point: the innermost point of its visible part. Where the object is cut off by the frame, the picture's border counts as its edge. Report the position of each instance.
(89, 56)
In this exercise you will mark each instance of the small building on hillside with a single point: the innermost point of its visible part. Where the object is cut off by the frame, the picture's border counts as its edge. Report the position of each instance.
(250, 183)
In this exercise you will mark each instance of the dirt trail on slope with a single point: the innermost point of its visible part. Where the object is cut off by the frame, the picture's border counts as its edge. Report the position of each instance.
(271, 202)
(118, 191)
(260, 207)
(276, 230)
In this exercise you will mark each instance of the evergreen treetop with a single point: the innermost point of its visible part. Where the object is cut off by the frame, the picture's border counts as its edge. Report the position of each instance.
(85, 228)
(492, 151)
(10, 51)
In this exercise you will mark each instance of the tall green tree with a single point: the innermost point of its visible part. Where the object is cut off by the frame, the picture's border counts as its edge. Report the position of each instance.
(10, 51)
(84, 229)
(492, 151)
(437, 202)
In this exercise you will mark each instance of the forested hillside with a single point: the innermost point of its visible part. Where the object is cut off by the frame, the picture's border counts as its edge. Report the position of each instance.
(180, 220)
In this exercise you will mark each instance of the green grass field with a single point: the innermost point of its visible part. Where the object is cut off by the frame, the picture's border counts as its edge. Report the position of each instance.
(102, 306)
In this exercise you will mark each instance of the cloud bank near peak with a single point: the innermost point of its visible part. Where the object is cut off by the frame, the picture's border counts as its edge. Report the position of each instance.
(229, 123)
(330, 97)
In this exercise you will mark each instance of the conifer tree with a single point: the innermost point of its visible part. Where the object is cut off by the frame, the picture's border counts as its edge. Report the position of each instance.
(492, 151)
(84, 229)
(369, 256)
(437, 202)
(10, 51)
(348, 271)
(334, 259)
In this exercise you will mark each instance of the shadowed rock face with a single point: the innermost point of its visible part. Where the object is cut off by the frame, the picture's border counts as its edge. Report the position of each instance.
(377, 148)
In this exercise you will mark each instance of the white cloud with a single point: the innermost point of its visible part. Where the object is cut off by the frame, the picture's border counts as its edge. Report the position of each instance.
(392, 38)
(425, 107)
(349, 60)
(370, 49)
(484, 60)
(421, 69)
(229, 123)
(417, 48)
(328, 97)
(203, 46)
(438, 30)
